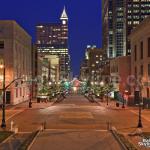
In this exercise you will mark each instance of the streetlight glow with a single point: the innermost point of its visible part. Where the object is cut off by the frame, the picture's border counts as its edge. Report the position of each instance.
(50, 83)
(1, 66)
(102, 83)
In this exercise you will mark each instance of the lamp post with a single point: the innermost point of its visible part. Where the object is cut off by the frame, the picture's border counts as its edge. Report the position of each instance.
(107, 98)
(140, 119)
(123, 105)
(140, 110)
(30, 98)
(124, 98)
(3, 125)
(138, 89)
(102, 84)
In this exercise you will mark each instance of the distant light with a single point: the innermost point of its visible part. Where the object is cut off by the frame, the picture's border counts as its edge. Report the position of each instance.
(1, 66)
(102, 83)
(39, 26)
(74, 89)
(92, 83)
(96, 83)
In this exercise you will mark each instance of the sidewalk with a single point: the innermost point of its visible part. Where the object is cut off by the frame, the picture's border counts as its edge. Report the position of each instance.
(12, 111)
(14, 141)
(112, 105)
(25, 105)
(135, 110)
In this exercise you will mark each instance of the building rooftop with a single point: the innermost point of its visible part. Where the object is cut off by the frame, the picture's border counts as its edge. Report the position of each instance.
(13, 22)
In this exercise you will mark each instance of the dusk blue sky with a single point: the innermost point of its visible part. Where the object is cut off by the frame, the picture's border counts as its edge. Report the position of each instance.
(84, 21)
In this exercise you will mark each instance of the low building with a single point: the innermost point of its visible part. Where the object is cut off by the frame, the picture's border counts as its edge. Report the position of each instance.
(105, 70)
(140, 56)
(120, 70)
(15, 52)
(91, 68)
(96, 60)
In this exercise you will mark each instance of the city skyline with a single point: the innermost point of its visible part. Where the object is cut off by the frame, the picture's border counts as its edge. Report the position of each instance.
(84, 22)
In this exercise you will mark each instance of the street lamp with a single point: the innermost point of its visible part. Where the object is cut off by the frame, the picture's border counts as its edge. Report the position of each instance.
(124, 94)
(140, 118)
(138, 90)
(107, 98)
(123, 106)
(30, 95)
(102, 84)
(3, 125)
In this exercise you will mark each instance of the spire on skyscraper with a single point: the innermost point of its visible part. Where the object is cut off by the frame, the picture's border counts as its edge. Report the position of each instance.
(64, 15)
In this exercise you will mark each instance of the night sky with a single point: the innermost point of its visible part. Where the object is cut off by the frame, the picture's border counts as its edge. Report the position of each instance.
(84, 21)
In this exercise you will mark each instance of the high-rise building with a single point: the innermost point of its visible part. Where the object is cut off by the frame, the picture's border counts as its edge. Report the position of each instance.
(136, 12)
(91, 68)
(52, 39)
(119, 18)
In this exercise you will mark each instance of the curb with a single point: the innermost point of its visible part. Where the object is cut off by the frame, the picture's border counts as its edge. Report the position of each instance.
(30, 145)
(7, 139)
(112, 108)
(114, 133)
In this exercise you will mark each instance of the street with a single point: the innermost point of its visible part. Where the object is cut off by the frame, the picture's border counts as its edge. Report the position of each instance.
(75, 122)
(75, 139)
(76, 112)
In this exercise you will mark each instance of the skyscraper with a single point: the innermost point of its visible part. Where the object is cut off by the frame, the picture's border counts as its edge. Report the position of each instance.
(119, 18)
(52, 39)
(137, 11)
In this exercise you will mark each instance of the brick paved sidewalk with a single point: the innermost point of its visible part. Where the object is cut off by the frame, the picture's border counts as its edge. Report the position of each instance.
(12, 111)
(25, 105)
(112, 105)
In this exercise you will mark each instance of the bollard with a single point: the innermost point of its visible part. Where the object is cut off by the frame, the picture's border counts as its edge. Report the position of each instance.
(16, 130)
(11, 125)
(108, 126)
(41, 127)
(44, 125)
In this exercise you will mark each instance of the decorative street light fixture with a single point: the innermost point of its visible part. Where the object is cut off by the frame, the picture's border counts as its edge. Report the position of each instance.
(3, 125)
